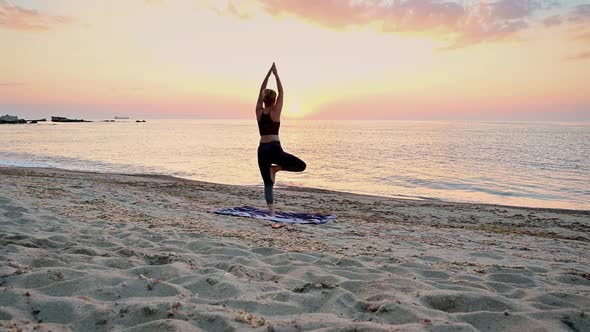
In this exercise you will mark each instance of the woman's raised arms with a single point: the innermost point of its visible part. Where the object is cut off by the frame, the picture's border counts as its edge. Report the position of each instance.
(279, 102)
(262, 87)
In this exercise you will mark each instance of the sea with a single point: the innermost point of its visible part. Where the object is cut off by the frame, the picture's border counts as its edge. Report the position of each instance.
(534, 164)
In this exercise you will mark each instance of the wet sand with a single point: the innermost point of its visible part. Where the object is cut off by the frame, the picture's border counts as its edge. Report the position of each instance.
(98, 252)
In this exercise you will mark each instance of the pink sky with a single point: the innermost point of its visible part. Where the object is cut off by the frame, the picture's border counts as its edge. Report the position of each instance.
(338, 59)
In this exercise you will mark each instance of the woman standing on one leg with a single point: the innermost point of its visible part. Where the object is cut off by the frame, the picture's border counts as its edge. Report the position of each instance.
(271, 157)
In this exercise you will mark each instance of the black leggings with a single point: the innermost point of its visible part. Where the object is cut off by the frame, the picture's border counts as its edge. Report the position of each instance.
(272, 153)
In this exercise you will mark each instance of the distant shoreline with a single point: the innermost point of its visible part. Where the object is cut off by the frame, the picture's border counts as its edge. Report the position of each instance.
(92, 119)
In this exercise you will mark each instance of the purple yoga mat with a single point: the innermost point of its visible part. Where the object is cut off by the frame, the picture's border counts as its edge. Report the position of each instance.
(288, 217)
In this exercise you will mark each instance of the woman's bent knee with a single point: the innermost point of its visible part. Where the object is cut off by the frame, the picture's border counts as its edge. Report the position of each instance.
(302, 167)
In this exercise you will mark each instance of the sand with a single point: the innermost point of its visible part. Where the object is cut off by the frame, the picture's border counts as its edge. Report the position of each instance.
(100, 252)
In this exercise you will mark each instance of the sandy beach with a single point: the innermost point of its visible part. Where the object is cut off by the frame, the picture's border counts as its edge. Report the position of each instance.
(100, 252)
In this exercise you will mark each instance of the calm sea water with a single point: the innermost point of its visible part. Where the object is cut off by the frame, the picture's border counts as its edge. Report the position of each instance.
(530, 164)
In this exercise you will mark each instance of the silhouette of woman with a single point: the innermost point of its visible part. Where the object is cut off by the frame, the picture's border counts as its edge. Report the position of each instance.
(271, 157)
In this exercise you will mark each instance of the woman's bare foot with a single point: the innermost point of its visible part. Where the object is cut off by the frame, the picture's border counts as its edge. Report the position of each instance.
(281, 225)
(273, 172)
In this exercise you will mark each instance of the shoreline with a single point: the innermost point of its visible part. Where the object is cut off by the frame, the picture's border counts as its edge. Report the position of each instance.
(310, 190)
(481, 169)
(146, 253)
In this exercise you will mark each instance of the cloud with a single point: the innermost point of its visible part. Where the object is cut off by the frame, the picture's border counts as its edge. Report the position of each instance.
(454, 20)
(580, 56)
(511, 9)
(552, 20)
(580, 14)
(13, 17)
(578, 22)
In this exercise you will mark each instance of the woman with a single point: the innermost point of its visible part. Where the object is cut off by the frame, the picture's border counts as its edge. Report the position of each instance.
(271, 157)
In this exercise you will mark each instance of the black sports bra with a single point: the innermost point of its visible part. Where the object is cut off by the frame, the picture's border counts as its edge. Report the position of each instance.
(266, 126)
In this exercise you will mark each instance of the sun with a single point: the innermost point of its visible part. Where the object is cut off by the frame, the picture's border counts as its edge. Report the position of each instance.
(294, 111)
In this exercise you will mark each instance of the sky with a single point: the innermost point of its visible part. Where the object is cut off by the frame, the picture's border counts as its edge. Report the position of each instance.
(338, 59)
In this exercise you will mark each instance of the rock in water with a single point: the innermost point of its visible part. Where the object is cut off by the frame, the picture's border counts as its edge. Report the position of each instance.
(64, 119)
(11, 119)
